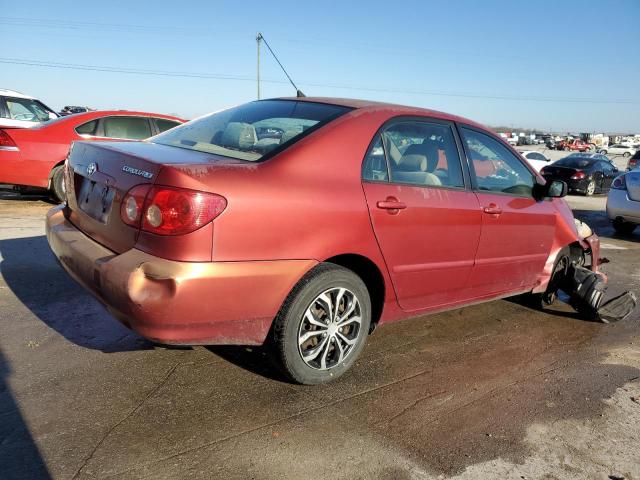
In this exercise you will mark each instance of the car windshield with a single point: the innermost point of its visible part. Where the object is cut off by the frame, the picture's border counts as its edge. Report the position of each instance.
(28, 109)
(252, 131)
(574, 162)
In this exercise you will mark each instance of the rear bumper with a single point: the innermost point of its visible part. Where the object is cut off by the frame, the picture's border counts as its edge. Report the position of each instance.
(184, 303)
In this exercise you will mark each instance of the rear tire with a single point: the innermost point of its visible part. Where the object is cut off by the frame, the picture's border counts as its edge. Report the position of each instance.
(57, 183)
(591, 188)
(626, 228)
(323, 325)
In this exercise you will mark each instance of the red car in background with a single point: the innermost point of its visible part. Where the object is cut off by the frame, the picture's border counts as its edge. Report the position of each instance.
(305, 223)
(33, 157)
(575, 145)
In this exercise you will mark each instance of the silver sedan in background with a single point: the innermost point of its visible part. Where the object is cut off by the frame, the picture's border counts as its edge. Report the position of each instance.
(623, 202)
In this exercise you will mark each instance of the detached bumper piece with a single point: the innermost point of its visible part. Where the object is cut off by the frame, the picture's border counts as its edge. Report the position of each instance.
(586, 290)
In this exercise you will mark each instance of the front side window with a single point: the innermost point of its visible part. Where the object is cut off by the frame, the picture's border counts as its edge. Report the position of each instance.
(130, 128)
(418, 153)
(496, 168)
(251, 131)
(27, 109)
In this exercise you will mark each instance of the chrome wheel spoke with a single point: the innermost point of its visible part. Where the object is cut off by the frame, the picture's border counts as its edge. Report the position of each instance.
(327, 305)
(323, 357)
(349, 321)
(310, 317)
(352, 306)
(347, 341)
(313, 353)
(310, 334)
(336, 303)
(340, 349)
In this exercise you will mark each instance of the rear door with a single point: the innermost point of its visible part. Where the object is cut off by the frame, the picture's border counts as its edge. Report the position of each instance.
(517, 230)
(425, 220)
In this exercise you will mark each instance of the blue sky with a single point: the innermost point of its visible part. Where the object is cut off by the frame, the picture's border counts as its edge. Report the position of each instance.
(562, 65)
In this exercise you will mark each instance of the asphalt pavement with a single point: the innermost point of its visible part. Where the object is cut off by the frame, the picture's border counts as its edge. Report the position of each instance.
(492, 391)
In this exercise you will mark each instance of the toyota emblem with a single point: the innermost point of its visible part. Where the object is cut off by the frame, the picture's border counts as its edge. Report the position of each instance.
(91, 169)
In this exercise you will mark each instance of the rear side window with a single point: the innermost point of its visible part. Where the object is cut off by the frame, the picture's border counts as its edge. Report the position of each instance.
(416, 152)
(495, 167)
(88, 128)
(26, 109)
(131, 128)
(164, 125)
(252, 131)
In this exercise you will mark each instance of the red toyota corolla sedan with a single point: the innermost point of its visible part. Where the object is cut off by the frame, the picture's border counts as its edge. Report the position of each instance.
(307, 222)
(33, 157)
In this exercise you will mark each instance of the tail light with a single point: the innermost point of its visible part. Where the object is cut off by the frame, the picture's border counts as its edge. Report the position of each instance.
(168, 210)
(6, 142)
(619, 183)
(633, 163)
(578, 176)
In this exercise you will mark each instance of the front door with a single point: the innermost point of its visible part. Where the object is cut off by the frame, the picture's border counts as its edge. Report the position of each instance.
(517, 230)
(426, 223)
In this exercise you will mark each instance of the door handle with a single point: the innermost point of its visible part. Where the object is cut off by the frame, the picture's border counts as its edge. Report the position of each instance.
(492, 209)
(392, 205)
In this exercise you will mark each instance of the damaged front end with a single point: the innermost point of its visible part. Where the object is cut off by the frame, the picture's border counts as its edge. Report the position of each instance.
(579, 277)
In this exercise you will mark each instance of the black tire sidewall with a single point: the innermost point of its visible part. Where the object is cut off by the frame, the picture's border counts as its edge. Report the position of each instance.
(57, 180)
(287, 323)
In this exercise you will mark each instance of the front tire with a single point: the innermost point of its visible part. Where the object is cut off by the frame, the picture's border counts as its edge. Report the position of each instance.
(626, 154)
(323, 325)
(57, 183)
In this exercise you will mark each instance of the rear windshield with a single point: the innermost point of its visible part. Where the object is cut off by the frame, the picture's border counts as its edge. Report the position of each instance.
(251, 131)
(575, 162)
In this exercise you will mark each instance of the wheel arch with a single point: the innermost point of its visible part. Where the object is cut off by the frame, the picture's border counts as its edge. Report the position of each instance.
(372, 277)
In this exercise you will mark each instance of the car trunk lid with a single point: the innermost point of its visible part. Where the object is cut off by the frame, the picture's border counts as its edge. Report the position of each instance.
(97, 178)
(562, 173)
(99, 174)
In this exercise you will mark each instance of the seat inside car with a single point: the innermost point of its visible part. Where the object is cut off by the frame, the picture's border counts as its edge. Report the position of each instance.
(238, 135)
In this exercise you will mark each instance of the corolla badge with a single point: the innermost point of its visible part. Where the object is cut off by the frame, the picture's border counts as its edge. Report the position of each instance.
(92, 168)
(136, 171)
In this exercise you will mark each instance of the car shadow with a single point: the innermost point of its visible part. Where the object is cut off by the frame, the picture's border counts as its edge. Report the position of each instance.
(32, 273)
(259, 360)
(19, 455)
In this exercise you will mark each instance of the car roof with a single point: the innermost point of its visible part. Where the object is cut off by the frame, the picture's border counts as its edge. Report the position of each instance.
(393, 108)
(13, 93)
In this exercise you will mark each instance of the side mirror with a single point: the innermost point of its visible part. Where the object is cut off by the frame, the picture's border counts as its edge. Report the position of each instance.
(615, 170)
(556, 189)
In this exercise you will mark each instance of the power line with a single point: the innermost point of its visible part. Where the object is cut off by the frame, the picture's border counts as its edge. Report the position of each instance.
(218, 76)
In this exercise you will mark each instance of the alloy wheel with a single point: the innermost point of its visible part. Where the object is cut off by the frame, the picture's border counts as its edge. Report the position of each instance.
(330, 328)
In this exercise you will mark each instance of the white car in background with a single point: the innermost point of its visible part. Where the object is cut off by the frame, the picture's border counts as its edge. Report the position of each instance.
(536, 159)
(618, 149)
(623, 202)
(18, 110)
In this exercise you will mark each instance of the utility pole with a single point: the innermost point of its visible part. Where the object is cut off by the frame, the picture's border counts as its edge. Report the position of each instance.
(258, 40)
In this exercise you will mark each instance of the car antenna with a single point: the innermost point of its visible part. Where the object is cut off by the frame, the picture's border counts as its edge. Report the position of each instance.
(259, 38)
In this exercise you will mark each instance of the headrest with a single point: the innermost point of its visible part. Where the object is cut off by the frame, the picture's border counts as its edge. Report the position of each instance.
(413, 162)
(238, 135)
